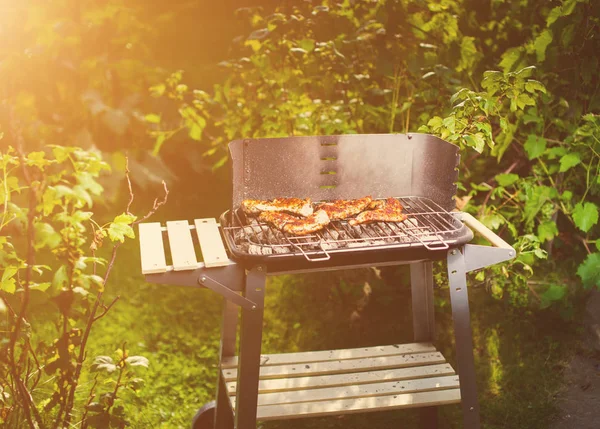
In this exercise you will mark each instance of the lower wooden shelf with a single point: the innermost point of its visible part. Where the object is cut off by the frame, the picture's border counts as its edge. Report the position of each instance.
(311, 384)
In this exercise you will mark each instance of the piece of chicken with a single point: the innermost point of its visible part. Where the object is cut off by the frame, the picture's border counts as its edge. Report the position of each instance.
(377, 204)
(288, 205)
(294, 225)
(342, 209)
(390, 212)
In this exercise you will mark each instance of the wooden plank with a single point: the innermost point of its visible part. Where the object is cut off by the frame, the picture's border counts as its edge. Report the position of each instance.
(182, 246)
(211, 244)
(336, 367)
(359, 391)
(346, 406)
(325, 355)
(152, 249)
(303, 383)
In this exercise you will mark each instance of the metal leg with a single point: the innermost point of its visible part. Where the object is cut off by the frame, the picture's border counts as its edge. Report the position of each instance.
(224, 414)
(463, 336)
(421, 283)
(250, 346)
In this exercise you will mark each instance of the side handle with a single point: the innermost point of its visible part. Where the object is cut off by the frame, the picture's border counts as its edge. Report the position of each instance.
(477, 256)
(483, 230)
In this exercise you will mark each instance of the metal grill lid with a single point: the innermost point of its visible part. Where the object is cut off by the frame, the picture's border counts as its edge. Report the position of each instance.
(345, 167)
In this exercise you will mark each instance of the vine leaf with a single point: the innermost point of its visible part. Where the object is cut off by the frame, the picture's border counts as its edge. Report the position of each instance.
(535, 146)
(589, 271)
(8, 283)
(547, 231)
(121, 228)
(568, 161)
(585, 216)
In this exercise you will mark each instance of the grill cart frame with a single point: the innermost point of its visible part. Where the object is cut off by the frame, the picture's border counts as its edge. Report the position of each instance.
(252, 386)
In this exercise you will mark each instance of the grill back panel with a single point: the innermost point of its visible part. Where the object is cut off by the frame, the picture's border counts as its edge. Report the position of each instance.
(344, 167)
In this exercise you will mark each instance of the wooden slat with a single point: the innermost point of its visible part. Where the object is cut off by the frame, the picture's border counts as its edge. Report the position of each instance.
(358, 391)
(356, 378)
(182, 246)
(336, 367)
(326, 355)
(211, 244)
(152, 249)
(355, 405)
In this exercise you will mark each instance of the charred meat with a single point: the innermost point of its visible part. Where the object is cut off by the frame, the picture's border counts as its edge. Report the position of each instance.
(390, 212)
(288, 205)
(294, 225)
(342, 209)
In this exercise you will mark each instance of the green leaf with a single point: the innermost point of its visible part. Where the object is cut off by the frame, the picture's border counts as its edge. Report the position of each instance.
(554, 14)
(598, 244)
(82, 195)
(568, 161)
(547, 231)
(506, 179)
(536, 197)
(120, 228)
(137, 361)
(589, 271)
(307, 44)
(60, 278)
(585, 216)
(160, 139)
(555, 292)
(8, 283)
(88, 182)
(152, 118)
(541, 43)
(475, 141)
(46, 236)
(510, 58)
(524, 100)
(535, 146)
(103, 363)
(37, 159)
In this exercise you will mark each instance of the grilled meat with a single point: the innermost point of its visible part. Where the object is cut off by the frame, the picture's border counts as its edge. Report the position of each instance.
(288, 205)
(294, 225)
(342, 209)
(390, 212)
(377, 204)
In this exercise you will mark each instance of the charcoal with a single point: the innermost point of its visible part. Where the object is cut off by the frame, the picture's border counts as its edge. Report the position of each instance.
(259, 250)
(281, 250)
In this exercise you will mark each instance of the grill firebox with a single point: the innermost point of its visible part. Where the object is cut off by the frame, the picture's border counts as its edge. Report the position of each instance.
(428, 226)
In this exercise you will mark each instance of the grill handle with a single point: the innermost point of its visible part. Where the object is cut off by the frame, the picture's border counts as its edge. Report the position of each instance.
(483, 230)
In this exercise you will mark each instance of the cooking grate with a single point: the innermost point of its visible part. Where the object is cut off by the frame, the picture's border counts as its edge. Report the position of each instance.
(428, 226)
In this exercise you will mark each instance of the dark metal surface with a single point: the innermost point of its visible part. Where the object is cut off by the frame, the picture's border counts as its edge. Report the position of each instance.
(459, 299)
(428, 226)
(250, 347)
(224, 414)
(343, 167)
(421, 282)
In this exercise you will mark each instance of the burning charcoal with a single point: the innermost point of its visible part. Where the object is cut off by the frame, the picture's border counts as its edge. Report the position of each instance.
(281, 250)
(253, 249)
(328, 245)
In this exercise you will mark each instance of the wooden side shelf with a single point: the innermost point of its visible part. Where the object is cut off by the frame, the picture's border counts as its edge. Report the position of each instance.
(312, 384)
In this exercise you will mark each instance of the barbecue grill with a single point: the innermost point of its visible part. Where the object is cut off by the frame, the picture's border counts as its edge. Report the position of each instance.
(239, 253)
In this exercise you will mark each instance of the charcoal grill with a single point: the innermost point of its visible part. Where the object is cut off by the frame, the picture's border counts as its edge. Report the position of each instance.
(239, 253)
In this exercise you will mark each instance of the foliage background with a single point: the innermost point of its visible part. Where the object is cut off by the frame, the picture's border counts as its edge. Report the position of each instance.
(513, 83)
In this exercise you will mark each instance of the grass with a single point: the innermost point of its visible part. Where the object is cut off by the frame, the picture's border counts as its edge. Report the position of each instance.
(518, 355)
